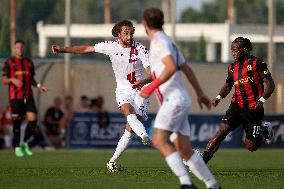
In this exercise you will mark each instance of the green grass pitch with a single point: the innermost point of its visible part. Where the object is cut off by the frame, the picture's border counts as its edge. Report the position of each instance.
(142, 169)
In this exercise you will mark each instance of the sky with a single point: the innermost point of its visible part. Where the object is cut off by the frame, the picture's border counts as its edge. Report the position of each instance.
(184, 4)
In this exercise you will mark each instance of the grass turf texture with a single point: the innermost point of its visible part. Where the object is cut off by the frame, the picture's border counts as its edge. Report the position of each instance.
(145, 169)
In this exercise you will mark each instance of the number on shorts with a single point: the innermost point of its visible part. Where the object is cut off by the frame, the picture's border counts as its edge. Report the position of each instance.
(256, 130)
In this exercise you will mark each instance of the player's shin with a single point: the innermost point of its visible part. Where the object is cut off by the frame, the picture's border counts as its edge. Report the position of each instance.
(30, 130)
(121, 145)
(175, 163)
(17, 132)
(136, 125)
(200, 170)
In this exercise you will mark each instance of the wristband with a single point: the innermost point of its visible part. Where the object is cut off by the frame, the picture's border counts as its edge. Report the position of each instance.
(262, 100)
(148, 90)
(219, 97)
(38, 85)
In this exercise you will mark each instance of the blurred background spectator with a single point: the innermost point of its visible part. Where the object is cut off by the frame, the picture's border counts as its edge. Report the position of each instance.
(97, 105)
(84, 105)
(54, 122)
(6, 127)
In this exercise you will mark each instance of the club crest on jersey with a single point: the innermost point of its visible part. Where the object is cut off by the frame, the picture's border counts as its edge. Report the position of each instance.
(133, 55)
(249, 67)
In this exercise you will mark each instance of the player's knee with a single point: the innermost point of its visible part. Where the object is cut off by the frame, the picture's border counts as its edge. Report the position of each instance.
(157, 142)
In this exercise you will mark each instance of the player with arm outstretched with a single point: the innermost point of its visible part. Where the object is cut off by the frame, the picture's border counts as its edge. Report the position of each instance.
(129, 60)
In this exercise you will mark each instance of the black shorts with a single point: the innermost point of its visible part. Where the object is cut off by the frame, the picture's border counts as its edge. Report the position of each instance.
(250, 119)
(21, 107)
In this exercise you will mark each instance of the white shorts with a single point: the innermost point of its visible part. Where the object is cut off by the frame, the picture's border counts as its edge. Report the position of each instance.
(173, 117)
(132, 97)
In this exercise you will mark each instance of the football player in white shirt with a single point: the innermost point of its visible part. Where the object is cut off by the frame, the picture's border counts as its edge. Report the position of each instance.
(129, 60)
(171, 123)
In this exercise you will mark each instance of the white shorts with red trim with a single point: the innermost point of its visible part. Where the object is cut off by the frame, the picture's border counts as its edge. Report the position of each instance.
(131, 97)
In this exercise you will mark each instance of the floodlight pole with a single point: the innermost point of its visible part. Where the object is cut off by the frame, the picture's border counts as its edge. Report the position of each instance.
(67, 44)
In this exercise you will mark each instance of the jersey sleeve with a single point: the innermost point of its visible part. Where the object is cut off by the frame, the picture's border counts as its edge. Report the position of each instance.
(6, 70)
(32, 68)
(103, 47)
(162, 48)
(144, 56)
(230, 79)
(262, 69)
(180, 58)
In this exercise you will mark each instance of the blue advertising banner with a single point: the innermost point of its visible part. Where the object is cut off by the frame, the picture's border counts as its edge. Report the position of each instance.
(86, 133)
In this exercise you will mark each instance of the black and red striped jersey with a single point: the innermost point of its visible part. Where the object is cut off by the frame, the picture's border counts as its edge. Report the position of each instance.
(247, 78)
(22, 69)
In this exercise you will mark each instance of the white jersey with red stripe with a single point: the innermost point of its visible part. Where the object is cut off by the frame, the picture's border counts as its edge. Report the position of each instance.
(128, 63)
(173, 89)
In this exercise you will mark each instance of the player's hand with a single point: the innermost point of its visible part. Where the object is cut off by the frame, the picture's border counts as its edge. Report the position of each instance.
(203, 99)
(17, 82)
(143, 95)
(43, 88)
(139, 83)
(56, 49)
(215, 102)
(258, 105)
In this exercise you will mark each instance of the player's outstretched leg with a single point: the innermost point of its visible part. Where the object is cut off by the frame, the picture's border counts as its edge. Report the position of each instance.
(138, 129)
(214, 143)
(120, 148)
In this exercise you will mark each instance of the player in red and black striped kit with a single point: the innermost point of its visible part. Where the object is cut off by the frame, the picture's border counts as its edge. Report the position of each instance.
(18, 73)
(248, 74)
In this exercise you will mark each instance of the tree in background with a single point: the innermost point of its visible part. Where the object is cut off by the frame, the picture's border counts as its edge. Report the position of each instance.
(247, 11)
(201, 49)
(5, 49)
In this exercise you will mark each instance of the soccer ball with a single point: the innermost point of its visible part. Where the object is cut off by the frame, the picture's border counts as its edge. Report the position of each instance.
(112, 167)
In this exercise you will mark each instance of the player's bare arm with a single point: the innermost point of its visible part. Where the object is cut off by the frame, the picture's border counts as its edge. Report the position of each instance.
(225, 90)
(80, 49)
(268, 90)
(15, 81)
(40, 86)
(202, 98)
(169, 70)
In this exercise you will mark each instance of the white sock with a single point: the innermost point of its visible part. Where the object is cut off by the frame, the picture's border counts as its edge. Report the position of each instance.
(136, 125)
(121, 145)
(200, 170)
(175, 163)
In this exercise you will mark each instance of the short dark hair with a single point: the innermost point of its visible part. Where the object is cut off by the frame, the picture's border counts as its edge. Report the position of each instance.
(117, 27)
(84, 97)
(245, 42)
(19, 41)
(154, 18)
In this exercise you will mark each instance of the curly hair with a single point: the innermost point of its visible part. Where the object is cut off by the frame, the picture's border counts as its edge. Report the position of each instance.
(154, 18)
(245, 42)
(117, 27)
